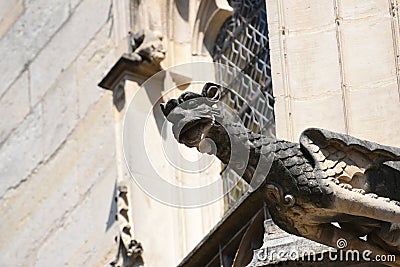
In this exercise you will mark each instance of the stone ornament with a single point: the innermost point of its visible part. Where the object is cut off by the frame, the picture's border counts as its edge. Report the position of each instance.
(146, 48)
(129, 250)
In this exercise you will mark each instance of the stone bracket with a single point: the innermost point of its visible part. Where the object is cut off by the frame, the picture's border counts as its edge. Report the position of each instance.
(142, 61)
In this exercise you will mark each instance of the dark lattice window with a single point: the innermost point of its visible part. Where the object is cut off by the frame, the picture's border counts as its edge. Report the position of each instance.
(242, 45)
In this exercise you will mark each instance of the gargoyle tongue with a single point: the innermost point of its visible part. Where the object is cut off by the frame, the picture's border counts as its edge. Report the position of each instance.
(193, 132)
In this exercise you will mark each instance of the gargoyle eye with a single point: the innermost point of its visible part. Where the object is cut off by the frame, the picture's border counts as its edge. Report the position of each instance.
(191, 104)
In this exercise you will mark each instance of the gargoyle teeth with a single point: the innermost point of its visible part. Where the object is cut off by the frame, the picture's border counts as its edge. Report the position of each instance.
(372, 195)
(206, 129)
(358, 190)
(203, 134)
(346, 186)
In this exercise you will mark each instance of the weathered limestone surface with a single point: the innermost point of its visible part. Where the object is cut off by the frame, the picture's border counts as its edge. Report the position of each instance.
(9, 13)
(28, 36)
(57, 128)
(15, 111)
(58, 162)
(60, 52)
(334, 66)
(63, 208)
(57, 149)
(73, 93)
(22, 151)
(166, 243)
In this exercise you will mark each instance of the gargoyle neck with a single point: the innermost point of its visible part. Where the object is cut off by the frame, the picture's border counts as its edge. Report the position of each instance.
(234, 148)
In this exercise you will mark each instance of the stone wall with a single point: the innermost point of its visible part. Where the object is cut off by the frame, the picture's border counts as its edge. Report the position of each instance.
(59, 143)
(60, 154)
(57, 149)
(335, 65)
(167, 233)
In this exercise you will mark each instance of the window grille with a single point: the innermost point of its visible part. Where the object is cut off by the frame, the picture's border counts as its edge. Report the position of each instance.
(242, 45)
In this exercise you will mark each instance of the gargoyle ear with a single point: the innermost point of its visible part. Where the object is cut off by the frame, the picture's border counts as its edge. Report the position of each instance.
(212, 90)
(166, 108)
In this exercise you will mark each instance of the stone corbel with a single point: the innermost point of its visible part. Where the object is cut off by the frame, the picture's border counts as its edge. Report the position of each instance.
(146, 50)
(143, 60)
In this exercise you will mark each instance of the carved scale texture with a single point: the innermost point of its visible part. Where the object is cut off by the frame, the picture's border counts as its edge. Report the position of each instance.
(341, 164)
(308, 185)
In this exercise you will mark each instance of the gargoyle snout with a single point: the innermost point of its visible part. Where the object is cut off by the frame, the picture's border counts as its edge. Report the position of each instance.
(176, 117)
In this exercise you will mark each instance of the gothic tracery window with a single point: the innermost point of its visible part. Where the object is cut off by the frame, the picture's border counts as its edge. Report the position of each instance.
(243, 45)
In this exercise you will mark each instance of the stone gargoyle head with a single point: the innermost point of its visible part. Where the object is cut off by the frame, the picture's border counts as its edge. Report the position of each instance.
(195, 116)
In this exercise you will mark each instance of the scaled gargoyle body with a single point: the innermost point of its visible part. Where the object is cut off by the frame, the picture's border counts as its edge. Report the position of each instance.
(327, 177)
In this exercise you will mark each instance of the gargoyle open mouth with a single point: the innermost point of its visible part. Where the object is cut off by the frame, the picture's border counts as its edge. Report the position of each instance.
(191, 133)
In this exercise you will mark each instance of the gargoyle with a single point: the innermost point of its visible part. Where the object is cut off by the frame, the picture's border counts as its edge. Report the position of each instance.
(327, 177)
(147, 47)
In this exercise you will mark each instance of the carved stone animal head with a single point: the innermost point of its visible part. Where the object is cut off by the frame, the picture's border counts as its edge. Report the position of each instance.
(149, 46)
(152, 48)
(194, 115)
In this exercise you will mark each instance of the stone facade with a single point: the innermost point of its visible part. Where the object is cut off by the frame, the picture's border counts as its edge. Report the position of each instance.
(58, 151)
(340, 58)
(55, 196)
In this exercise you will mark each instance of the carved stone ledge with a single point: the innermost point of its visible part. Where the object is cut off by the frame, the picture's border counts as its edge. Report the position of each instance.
(127, 66)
